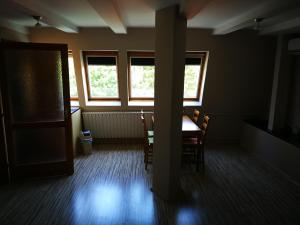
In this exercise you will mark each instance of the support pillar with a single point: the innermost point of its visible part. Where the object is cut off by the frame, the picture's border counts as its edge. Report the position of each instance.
(281, 86)
(170, 43)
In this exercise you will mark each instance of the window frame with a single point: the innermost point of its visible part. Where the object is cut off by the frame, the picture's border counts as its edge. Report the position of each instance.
(70, 53)
(203, 57)
(149, 54)
(86, 54)
(141, 54)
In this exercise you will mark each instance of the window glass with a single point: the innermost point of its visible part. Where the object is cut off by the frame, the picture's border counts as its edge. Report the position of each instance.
(191, 77)
(142, 75)
(102, 75)
(72, 78)
(142, 78)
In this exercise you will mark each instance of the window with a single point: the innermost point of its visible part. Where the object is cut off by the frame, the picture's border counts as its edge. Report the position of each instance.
(193, 75)
(141, 70)
(101, 75)
(72, 78)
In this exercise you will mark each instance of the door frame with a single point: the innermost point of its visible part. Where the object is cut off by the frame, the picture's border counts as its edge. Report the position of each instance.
(4, 174)
(19, 171)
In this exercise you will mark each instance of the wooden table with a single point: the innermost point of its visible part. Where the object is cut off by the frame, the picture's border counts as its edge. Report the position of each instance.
(190, 129)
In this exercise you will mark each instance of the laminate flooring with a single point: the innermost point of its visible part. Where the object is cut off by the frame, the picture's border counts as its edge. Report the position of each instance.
(111, 187)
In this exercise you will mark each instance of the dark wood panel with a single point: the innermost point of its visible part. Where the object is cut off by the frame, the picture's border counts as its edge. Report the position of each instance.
(45, 124)
(62, 165)
(19, 172)
(3, 163)
(4, 178)
(111, 187)
(3, 175)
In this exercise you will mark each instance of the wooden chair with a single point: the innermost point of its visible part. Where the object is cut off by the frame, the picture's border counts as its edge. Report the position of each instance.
(204, 129)
(196, 115)
(206, 119)
(150, 132)
(195, 145)
(148, 144)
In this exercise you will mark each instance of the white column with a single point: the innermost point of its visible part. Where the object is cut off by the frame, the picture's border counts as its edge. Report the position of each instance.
(281, 86)
(170, 39)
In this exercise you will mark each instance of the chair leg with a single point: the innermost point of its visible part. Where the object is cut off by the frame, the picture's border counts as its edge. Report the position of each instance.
(146, 161)
(198, 155)
(203, 161)
(146, 152)
(200, 159)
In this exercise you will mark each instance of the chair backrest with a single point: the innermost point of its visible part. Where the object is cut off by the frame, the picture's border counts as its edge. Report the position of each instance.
(145, 129)
(144, 124)
(204, 128)
(206, 119)
(196, 115)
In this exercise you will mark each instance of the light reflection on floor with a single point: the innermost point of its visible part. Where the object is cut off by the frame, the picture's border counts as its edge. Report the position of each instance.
(111, 187)
(111, 203)
(141, 208)
(187, 215)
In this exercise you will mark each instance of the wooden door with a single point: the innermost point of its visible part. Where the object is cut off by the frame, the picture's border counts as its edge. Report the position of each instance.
(36, 103)
(4, 177)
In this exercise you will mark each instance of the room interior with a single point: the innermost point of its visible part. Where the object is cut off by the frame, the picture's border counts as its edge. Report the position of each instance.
(248, 86)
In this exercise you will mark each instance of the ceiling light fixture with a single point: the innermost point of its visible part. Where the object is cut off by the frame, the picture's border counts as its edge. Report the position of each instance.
(257, 22)
(38, 20)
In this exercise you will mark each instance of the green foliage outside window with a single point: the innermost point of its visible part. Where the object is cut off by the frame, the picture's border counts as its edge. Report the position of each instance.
(72, 78)
(191, 81)
(103, 80)
(142, 81)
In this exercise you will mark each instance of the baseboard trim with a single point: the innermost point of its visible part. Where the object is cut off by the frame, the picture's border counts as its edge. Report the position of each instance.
(140, 141)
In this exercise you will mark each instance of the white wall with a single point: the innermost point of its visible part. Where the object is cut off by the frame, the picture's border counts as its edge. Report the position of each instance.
(276, 152)
(294, 105)
(239, 74)
(76, 129)
(294, 44)
(12, 35)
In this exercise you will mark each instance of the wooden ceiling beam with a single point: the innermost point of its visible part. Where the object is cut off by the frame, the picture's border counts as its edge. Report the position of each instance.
(288, 21)
(289, 25)
(109, 12)
(264, 10)
(191, 8)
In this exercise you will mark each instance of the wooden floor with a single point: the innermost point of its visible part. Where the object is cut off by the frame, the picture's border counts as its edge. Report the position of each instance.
(111, 187)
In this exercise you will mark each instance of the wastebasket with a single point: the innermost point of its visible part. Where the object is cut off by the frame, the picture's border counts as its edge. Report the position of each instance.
(86, 141)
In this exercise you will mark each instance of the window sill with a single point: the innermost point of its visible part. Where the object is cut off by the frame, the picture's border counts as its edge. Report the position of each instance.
(103, 103)
(141, 103)
(191, 103)
(151, 103)
(74, 103)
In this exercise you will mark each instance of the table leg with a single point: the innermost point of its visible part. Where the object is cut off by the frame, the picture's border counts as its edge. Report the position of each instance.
(198, 155)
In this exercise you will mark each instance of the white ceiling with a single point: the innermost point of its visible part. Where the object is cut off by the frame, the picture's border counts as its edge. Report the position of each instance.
(222, 16)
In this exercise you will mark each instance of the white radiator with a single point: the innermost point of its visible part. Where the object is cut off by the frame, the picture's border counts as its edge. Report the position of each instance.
(115, 124)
